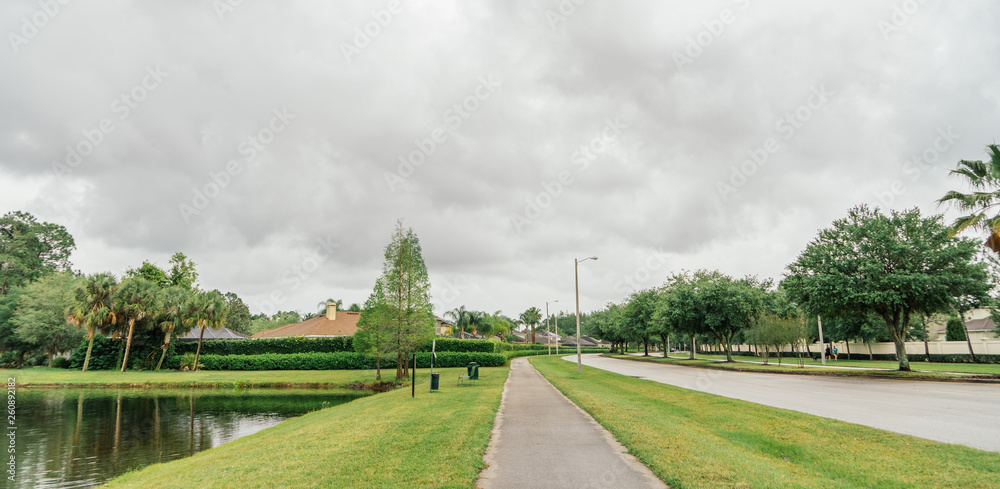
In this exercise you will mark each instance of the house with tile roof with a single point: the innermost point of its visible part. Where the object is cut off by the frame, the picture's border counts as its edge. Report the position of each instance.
(333, 323)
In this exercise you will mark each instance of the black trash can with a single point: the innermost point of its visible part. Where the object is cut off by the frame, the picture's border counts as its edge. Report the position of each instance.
(435, 381)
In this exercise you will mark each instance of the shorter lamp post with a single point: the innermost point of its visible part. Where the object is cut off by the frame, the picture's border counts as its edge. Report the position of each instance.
(548, 324)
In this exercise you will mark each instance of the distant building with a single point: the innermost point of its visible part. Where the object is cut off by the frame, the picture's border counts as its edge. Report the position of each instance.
(443, 327)
(212, 334)
(977, 322)
(333, 323)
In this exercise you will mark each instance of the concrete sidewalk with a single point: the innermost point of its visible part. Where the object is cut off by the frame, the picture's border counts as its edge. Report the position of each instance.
(541, 439)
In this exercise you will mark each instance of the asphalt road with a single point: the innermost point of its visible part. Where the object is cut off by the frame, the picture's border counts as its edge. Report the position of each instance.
(541, 439)
(951, 412)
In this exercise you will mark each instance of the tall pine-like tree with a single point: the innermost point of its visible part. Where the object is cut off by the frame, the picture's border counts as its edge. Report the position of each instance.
(398, 316)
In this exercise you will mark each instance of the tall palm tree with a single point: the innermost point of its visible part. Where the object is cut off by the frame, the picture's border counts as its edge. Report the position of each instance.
(206, 309)
(93, 308)
(136, 300)
(984, 178)
(461, 318)
(532, 317)
(476, 320)
(172, 317)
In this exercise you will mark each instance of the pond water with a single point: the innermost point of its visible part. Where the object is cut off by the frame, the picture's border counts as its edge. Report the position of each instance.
(85, 437)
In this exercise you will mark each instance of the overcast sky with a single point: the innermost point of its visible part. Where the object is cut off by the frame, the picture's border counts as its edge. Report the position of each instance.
(267, 140)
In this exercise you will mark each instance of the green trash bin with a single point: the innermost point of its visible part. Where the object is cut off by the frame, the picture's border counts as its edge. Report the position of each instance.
(475, 372)
(435, 381)
(469, 368)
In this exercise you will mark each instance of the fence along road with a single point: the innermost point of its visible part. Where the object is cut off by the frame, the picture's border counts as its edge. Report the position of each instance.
(951, 412)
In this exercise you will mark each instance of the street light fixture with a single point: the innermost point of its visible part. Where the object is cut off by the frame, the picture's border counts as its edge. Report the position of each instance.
(549, 325)
(576, 279)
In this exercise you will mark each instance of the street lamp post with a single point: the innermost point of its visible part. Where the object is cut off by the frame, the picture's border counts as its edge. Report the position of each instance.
(548, 324)
(576, 280)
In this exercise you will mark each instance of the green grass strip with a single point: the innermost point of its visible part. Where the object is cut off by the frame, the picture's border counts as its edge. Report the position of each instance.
(43, 376)
(917, 366)
(385, 440)
(695, 440)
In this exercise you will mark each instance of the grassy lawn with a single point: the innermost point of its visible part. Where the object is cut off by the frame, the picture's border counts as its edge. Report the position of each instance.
(695, 440)
(44, 376)
(385, 440)
(921, 370)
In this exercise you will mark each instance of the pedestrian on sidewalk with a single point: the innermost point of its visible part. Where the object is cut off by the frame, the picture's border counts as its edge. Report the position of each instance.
(835, 353)
(828, 352)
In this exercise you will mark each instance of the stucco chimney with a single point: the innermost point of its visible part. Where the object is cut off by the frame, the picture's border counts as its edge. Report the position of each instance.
(331, 311)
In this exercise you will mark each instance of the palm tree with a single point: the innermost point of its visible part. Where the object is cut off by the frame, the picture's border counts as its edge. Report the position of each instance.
(475, 320)
(461, 318)
(206, 309)
(136, 300)
(322, 306)
(93, 308)
(984, 178)
(532, 317)
(172, 318)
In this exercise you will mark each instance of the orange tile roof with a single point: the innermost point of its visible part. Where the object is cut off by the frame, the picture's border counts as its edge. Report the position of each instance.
(346, 324)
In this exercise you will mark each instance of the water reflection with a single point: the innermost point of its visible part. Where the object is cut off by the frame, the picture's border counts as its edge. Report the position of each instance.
(84, 437)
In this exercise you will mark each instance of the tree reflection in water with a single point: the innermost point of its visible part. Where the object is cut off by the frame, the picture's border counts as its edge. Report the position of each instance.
(84, 437)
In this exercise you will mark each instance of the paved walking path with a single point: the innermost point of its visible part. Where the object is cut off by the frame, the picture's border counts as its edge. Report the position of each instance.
(951, 412)
(542, 439)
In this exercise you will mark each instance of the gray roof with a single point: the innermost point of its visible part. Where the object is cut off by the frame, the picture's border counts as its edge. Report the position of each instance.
(212, 334)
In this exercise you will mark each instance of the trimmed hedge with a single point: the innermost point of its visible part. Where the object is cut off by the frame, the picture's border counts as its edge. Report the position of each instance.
(268, 345)
(340, 361)
(563, 350)
(457, 345)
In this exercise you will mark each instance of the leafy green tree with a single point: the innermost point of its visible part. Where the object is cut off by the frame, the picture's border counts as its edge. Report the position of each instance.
(531, 317)
(730, 307)
(682, 307)
(605, 324)
(183, 271)
(94, 308)
(954, 329)
(30, 249)
(354, 307)
(135, 299)
(149, 272)
(984, 178)
(206, 310)
(375, 335)
(636, 318)
(895, 266)
(40, 319)
(476, 321)
(238, 318)
(401, 297)
(773, 332)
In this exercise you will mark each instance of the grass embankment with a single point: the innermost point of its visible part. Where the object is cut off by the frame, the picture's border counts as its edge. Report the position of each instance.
(385, 440)
(790, 366)
(54, 377)
(695, 440)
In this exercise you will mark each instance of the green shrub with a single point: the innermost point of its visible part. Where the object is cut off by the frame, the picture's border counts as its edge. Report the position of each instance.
(262, 346)
(954, 330)
(60, 362)
(103, 356)
(457, 345)
(341, 361)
